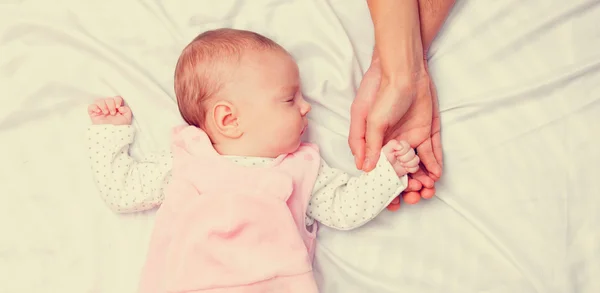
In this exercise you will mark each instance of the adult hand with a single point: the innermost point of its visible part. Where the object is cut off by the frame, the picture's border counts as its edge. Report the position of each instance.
(381, 112)
(397, 98)
(415, 191)
(430, 148)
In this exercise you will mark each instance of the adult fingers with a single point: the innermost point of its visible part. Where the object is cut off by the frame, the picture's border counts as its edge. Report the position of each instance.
(436, 144)
(389, 107)
(411, 197)
(394, 205)
(427, 193)
(374, 133)
(356, 137)
(413, 185)
(436, 138)
(424, 178)
(425, 152)
(365, 96)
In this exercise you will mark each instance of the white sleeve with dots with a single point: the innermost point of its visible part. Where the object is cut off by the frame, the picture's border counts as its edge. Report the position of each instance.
(126, 185)
(346, 202)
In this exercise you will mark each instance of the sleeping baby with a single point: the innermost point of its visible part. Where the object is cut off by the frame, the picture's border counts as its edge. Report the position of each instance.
(240, 194)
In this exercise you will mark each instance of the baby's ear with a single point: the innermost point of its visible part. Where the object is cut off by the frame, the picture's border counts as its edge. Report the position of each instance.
(225, 119)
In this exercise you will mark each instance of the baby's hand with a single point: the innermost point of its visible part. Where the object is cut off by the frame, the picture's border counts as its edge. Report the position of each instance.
(402, 157)
(110, 111)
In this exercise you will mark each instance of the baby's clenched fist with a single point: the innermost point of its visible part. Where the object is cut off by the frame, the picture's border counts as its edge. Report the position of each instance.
(110, 111)
(402, 157)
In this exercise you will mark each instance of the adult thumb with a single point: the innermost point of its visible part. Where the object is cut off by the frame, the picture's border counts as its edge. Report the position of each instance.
(356, 137)
(374, 142)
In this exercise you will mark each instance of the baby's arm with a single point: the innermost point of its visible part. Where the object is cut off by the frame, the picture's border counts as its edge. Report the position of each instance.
(126, 185)
(345, 202)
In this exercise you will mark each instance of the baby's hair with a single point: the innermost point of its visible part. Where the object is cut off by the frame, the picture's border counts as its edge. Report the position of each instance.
(198, 75)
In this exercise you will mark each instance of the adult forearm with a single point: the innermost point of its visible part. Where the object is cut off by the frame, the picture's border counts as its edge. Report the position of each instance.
(433, 14)
(398, 43)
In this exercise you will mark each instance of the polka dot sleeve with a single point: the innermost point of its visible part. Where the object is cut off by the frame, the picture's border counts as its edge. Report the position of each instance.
(125, 184)
(344, 202)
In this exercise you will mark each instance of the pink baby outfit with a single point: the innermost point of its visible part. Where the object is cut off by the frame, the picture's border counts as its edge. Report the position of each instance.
(229, 228)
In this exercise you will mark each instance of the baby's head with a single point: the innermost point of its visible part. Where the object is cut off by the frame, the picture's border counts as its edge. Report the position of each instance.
(243, 90)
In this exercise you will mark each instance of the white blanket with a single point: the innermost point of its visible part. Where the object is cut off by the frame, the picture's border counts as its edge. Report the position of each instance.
(519, 88)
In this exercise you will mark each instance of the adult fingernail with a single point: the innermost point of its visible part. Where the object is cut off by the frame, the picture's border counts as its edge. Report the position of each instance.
(437, 171)
(367, 164)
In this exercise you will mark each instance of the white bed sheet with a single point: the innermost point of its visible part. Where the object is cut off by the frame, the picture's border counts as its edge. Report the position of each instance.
(519, 88)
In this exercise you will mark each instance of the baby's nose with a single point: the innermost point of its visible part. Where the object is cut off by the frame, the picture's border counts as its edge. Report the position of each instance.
(306, 108)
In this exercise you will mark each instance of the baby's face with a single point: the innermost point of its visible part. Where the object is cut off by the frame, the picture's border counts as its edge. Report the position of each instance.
(272, 110)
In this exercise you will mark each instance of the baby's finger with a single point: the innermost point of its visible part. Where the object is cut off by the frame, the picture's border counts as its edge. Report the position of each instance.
(118, 101)
(399, 169)
(102, 105)
(412, 162)
(393, 144)
(401, 147)
(123, 110)
(407, 156)
(412, 169)
(404, 144)
(389, 149)
(94, 109)
(112, 108)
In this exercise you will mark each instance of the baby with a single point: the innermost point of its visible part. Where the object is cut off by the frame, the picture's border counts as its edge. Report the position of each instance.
(240, 194)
